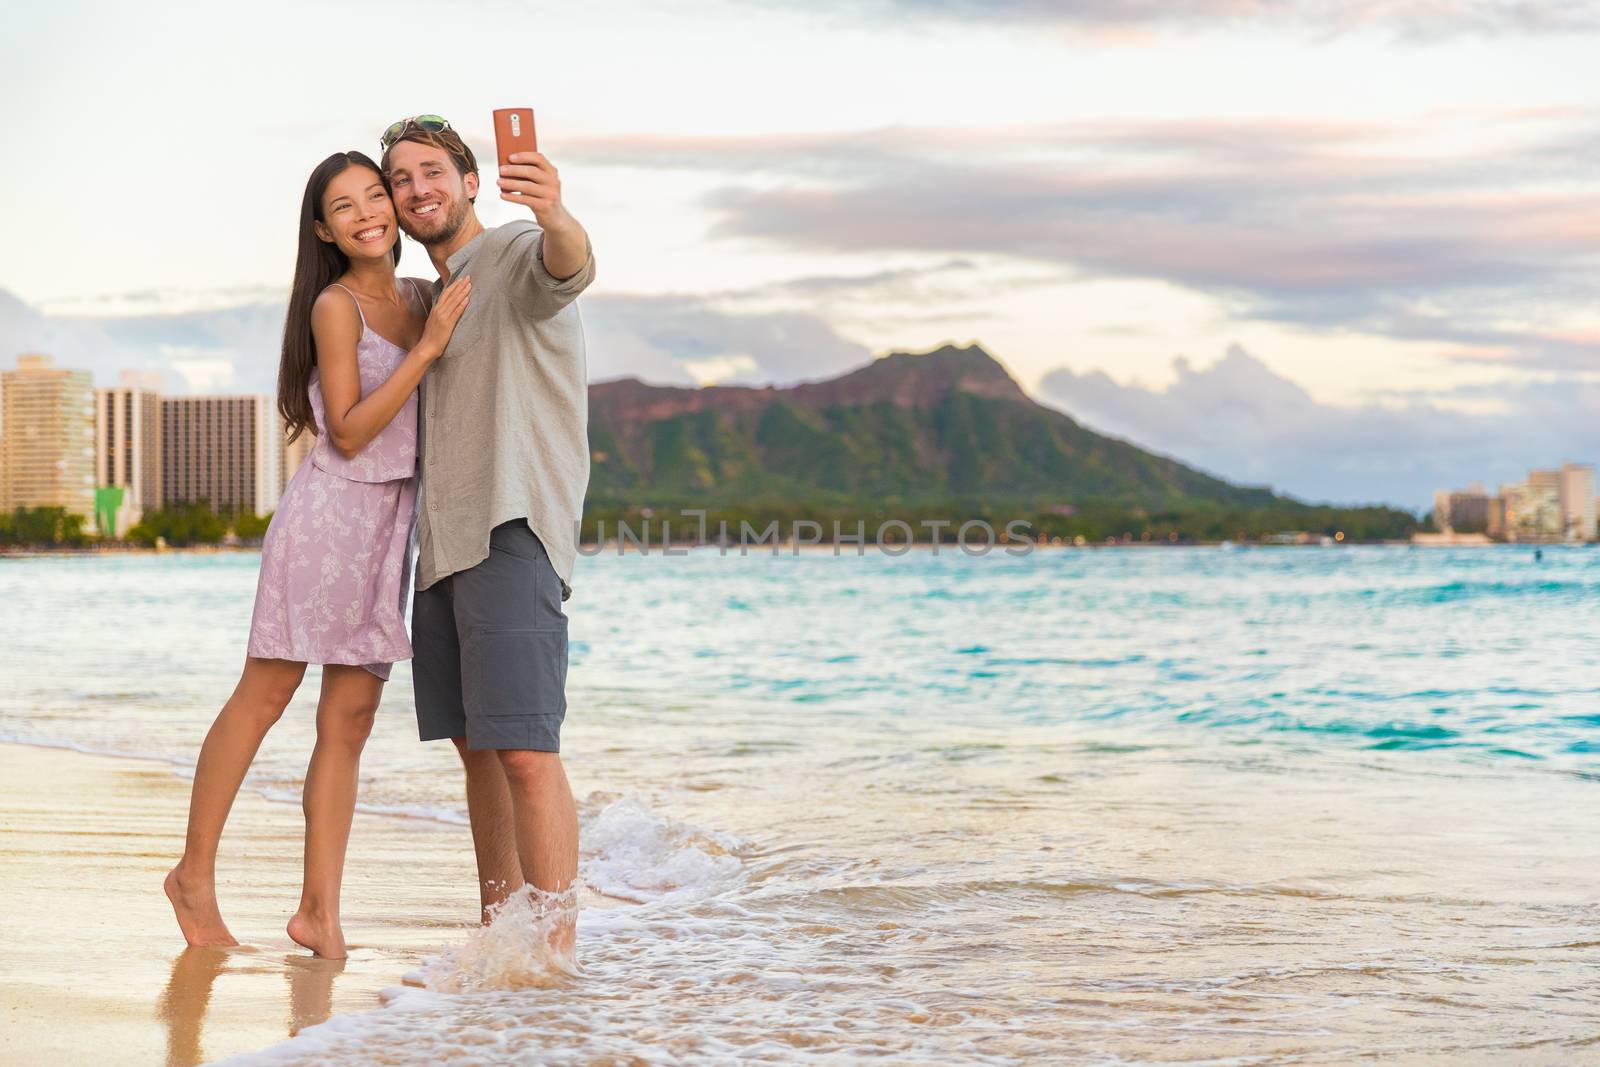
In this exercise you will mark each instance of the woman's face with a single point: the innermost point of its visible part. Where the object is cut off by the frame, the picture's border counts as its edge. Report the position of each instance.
(357, 215)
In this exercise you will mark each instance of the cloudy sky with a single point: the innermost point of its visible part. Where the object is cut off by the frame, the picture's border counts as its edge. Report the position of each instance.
(1346, 249)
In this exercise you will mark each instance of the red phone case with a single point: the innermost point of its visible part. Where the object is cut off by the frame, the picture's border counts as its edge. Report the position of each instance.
(513, 132)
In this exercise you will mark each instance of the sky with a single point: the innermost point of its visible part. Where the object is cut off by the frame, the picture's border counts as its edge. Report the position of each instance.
(1348, 250)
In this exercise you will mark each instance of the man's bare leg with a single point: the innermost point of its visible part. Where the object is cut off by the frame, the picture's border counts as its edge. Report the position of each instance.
(546, 820)
(493, 837)
(349, 702)
(264, 690)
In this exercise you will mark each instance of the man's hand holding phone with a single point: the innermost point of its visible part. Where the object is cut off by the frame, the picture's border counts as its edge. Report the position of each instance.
(530, 179)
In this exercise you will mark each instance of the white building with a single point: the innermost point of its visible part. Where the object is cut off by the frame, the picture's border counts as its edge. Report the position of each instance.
(1575, 490)
(1533, 508)
(127, 449)
(47, 437)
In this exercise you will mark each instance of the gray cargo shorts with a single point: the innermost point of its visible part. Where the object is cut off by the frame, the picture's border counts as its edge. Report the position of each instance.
(489, 649)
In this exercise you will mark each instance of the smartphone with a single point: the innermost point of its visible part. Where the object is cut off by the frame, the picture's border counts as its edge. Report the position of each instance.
(513, 132)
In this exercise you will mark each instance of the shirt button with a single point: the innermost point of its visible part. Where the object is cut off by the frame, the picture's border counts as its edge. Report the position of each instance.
(433, 507)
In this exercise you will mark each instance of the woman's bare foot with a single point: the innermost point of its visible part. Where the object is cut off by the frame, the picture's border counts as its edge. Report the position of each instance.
(318, 933)
(196, 908)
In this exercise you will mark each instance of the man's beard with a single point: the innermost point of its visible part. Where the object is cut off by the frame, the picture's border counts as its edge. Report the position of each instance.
(447, 228)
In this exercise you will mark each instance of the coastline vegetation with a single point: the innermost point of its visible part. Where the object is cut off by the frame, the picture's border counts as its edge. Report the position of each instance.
(46, 527)
(187, 525)
(180, 526)
(930, 520)
(196, 524)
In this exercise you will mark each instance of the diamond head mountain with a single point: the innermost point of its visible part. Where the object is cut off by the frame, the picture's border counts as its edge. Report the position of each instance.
(950, 423)
(946, 432)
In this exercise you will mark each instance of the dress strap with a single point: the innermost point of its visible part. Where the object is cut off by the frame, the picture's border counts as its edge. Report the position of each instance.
(353, 296)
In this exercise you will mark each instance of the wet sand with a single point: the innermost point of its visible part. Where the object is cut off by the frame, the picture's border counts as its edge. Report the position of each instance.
(92, 966)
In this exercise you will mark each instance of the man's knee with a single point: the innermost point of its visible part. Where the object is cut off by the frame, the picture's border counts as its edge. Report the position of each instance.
(478, 762)
(526, 766)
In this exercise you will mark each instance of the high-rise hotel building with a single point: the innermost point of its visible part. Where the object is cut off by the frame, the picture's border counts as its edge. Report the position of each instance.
(46, 437)
(1462, 511)
(127, 434)
(227, 450)
(1575, 488)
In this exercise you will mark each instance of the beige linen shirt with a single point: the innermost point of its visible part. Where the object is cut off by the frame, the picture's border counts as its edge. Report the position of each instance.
(504, 431)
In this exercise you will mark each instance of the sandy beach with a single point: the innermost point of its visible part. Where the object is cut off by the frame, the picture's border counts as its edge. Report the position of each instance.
(92, 959)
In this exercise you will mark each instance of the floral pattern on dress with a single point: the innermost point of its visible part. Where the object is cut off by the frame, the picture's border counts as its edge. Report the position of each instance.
(336, 559)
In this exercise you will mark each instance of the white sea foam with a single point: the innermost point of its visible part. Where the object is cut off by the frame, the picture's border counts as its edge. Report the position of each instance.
(428, 812)
(637, 854)
(630, 851)
(516, 950)
(19, 737)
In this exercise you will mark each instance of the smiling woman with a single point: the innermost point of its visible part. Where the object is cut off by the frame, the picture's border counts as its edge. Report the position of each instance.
(335, 562)
(318, 263)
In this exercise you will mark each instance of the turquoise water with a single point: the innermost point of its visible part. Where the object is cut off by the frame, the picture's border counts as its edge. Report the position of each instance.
(1128, 805)
(1483, 652)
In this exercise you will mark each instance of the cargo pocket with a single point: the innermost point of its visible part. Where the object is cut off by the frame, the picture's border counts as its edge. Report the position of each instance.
(542, 609)
(511, 673)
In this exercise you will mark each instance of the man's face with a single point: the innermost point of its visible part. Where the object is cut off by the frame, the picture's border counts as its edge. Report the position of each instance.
(431, 196)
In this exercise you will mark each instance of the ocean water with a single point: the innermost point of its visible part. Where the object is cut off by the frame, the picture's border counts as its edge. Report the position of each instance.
(1137, 805)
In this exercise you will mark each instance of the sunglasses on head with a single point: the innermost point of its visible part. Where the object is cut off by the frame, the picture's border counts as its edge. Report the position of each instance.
(431, 123)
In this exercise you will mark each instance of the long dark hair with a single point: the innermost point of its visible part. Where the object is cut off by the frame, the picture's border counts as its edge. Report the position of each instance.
(316, 265)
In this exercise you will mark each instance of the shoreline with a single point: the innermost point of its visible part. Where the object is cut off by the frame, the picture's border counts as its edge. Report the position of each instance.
(89, 837)
(591, 549)
(180, 769)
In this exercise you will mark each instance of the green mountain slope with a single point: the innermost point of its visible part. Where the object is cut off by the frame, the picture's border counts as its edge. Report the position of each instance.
(947, 424)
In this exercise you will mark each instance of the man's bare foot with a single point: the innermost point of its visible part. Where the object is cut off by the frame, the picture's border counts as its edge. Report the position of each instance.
(319, 934)
(564, 938)
(196, 908)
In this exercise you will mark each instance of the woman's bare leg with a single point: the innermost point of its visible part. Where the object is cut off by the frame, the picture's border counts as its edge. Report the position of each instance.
(349, 701)
(264, 690)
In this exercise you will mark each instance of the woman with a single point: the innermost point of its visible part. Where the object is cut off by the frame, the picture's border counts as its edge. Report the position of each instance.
(335, 564)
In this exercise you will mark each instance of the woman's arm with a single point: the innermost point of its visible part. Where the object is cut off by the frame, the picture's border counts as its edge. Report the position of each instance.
(353, 419)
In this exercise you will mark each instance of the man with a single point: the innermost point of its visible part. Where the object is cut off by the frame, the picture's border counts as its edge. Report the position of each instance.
(504, 450)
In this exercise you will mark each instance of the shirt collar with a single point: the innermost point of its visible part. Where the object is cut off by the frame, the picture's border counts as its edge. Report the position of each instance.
(464, 255)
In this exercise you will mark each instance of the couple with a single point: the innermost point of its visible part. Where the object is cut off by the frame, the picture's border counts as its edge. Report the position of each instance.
(492, 358)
